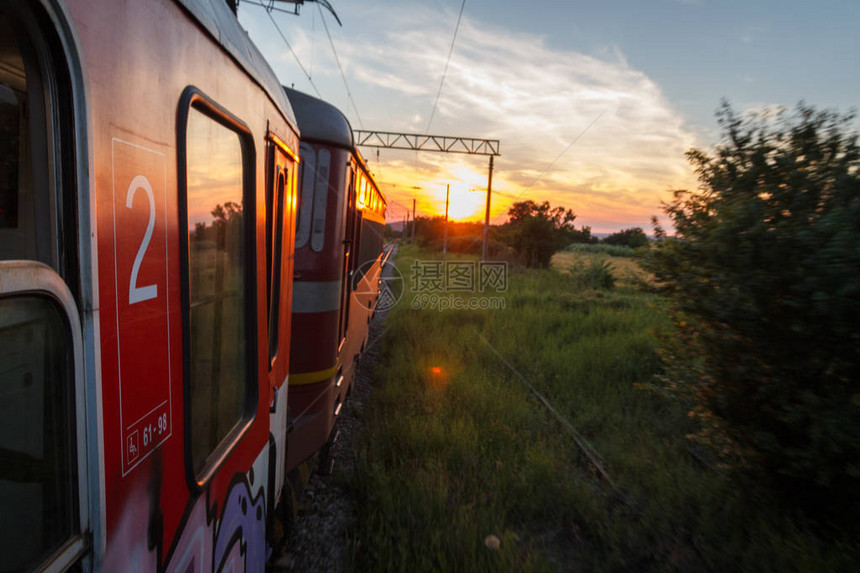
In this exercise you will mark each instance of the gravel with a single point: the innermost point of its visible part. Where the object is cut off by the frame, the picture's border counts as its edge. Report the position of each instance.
(318, 540)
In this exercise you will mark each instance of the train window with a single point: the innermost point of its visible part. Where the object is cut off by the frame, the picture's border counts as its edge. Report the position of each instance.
(362, 192)
(307, 170)
(38, 470)
(218, 322)
(27, 221)
(320, 200)
(370, 245)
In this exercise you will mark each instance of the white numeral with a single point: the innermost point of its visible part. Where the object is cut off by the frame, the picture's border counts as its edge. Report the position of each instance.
(136, 293)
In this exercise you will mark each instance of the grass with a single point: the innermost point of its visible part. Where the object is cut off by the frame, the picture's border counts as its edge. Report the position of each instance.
(601, 249)
(453, 455)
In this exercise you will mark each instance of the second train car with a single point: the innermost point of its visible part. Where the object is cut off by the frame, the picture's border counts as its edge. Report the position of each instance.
(339, 257)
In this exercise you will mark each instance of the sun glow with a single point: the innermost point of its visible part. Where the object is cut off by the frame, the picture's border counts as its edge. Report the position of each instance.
(464, 203)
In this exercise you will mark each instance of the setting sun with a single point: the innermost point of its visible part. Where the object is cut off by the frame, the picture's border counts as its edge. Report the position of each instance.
(464, 203)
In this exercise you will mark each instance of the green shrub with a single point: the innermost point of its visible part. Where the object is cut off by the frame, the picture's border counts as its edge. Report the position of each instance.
(764, 274)
(596, 274)
(633, 238)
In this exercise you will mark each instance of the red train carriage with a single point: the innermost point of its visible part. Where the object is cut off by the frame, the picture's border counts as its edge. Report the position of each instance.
(147, 210)
(339, 244)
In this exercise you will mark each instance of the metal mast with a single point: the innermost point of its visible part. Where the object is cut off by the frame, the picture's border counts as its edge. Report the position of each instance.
(442, 144)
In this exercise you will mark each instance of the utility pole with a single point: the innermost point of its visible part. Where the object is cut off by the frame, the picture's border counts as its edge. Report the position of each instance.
(445, 240)
(413, 220)
(406, 228)
(485, 247)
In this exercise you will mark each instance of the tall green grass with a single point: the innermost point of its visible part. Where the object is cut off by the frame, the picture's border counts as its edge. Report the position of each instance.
(453, 456)
(601, 249)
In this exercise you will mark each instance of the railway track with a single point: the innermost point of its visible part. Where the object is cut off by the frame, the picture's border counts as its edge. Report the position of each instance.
(318, 537)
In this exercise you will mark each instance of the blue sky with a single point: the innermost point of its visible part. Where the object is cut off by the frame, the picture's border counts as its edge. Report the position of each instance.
(536, 74)
(752, 52)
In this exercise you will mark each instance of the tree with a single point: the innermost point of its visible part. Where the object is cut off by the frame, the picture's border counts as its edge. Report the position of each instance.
(633, 238)
(538, 231)
(764, 276)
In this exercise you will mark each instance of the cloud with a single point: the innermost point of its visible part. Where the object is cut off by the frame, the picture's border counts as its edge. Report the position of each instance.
(507, 85)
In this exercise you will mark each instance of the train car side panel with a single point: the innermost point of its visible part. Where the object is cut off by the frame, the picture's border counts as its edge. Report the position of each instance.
(163, 510)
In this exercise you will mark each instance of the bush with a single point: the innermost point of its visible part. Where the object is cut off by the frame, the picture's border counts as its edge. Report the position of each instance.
(538, 231)
(596, 274)
(764, 276)
(633, 238)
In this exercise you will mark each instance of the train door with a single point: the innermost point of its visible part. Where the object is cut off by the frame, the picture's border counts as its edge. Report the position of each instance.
(44, 480)
(280, 242)
(348, 248)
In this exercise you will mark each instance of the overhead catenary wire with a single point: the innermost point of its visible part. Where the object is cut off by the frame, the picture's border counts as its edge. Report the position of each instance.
(269, 6)
(394, 207)
(551, 163)
(445, 71)
(298, 61)
(313, 38)
(340, 68)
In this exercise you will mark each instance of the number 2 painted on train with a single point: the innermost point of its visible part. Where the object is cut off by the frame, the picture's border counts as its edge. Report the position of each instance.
(136, 293)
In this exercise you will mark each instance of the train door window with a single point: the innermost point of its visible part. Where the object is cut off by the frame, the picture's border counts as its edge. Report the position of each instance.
(41, 471)
(356, 251)
(219, 297)
(307, 172)
(279, 197)
(270, 219)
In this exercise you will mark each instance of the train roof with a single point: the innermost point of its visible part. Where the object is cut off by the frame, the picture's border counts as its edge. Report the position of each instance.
(217, 18)
(320, 121)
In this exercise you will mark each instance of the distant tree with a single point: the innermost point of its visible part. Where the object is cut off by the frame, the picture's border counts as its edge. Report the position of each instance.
(429, 231)
(538, 231)
(227, 212)
(764, 275)
(633, 238)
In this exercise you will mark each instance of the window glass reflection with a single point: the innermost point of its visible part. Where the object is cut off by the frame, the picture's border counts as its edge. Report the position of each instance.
(217, 251)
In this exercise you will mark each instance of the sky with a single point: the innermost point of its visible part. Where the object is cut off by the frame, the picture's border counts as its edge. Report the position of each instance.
(594, 103)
